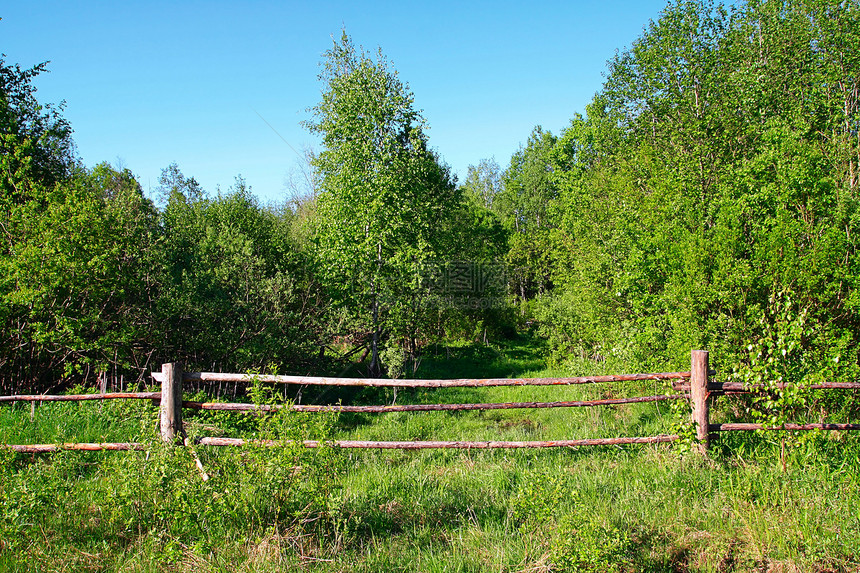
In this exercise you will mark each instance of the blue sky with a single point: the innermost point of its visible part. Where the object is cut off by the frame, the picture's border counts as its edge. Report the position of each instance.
(150, 83)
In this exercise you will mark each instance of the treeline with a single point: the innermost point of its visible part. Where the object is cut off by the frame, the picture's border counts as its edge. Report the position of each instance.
(97, 281)
(707, 198)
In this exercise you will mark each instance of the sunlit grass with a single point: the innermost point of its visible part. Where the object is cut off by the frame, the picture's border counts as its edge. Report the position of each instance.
(625, 508)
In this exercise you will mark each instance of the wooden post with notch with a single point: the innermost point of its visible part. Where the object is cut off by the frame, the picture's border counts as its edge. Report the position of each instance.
(170, 412)
(699, 395)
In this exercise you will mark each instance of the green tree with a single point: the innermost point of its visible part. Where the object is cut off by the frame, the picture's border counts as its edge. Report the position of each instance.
(383, 193)
(76, 251)
(79, 279)
(528, 186)
(173, 185)
(713, 177)
(35, 140)
(483, 182)
(233, 292)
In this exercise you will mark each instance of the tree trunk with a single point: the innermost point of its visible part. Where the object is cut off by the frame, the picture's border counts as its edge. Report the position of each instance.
(374, 369)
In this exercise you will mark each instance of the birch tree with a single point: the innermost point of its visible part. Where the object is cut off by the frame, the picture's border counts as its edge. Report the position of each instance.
(383, 194)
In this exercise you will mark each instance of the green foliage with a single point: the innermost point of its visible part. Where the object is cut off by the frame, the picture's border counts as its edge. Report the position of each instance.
(78, 277)
(528, 187)
(585, 545)
(483, 183)
(94, 279)
(394, 359)
(779, 362)
(36, 142)
(234, 289)
(712, 173)
(537, 501)
(385, 199)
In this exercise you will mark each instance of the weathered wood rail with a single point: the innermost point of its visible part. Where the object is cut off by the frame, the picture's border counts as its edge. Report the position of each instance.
(82, 397)
(241, 407)
(693, 385)
(420, 383)
(172, 377)
(171, 405)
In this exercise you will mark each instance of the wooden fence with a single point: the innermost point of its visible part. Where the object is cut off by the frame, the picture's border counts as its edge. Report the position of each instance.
(693, 385)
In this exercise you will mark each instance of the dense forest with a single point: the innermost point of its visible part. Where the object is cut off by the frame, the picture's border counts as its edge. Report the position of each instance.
(706, 198)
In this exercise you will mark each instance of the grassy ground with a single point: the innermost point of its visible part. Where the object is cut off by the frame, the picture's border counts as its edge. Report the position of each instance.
(651, 508)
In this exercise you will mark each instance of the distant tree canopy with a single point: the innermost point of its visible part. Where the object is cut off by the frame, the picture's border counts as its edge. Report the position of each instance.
(94, 280)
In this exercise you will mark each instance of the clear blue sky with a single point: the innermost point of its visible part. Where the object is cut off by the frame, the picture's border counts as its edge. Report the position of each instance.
(150, 83)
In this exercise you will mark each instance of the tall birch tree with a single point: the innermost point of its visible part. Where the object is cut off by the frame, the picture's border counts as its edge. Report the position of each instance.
(383, 194)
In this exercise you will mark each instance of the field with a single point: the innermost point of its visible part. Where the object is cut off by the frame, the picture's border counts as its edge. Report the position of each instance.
(636, 508)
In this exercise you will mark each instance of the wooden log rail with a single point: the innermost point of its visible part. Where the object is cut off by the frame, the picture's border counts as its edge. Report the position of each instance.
(412, 383)
(740, 388)
(89, 447)
(744, 427)
(459, 445)
(245, 407)
(693, 385)
(241, 407)
(352, 444)
(156, 396)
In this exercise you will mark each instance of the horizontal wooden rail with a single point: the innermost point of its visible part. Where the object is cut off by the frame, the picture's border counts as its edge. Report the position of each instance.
(411, 383)
(743, 427)
(92, 447)
(82, 397)
(740, 388)
(238, 407)
(359, 444)
(244, 407)
(463, 445)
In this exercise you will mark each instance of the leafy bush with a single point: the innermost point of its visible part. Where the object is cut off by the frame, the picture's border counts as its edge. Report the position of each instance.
(583, 544)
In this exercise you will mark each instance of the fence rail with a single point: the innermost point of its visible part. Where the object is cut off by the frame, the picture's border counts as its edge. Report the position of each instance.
(241, 407)
(245, 407)
(89, 447)
(693, 385)
(461, 445)
(81, 397)
(740, 388)
(418, 383)
(361, 444)
(744, 427)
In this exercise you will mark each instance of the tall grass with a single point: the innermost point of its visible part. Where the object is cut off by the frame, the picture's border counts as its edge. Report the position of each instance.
(630, 508)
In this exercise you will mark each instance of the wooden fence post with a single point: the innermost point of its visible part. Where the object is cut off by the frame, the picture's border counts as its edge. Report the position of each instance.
(171, 403)
(699, 395)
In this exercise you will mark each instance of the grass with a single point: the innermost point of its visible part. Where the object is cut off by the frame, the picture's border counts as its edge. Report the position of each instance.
(643, 508)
